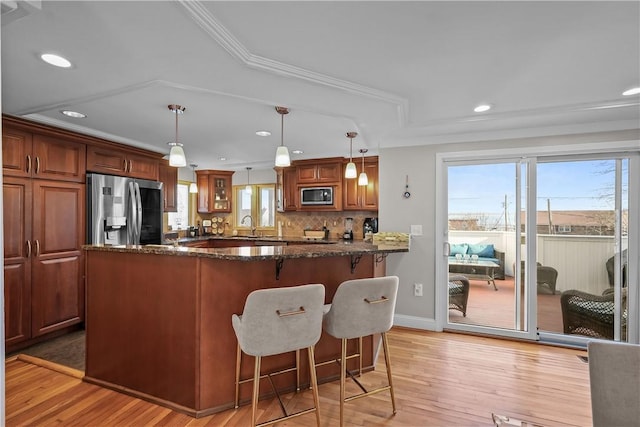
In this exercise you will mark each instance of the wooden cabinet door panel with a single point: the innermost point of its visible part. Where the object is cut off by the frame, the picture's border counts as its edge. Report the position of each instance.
(17, 212)
(290, 190)
(142, 167)
(306, 174)
(57, 290)
(17, 198)
(330, 172)
(58, 159)
(203, 193)
(56, 295)
(17, 302)
(350, 193)
(105, 160)
(369, 193)
(16, 153)
(168, 175)
(58, 217)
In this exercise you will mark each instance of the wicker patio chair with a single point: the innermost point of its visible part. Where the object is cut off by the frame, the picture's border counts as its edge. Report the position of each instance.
(547, 277)
(609, 265)
(591, 315)
(458, 293)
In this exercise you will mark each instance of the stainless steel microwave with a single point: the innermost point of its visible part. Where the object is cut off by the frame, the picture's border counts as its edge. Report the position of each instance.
(316, 196)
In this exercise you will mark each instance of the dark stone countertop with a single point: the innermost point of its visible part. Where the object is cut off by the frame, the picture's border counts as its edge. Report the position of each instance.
(263, 252)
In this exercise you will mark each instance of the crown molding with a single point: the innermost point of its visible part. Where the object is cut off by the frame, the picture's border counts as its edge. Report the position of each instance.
(232, 45)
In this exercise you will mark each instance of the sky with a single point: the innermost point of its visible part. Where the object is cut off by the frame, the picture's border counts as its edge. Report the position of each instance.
(577, 185)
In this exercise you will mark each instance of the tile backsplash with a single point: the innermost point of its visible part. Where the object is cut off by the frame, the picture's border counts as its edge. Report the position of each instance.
(294, 223)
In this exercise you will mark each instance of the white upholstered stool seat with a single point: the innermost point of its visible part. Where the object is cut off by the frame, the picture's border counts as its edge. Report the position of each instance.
(275, 321)
(362, 307)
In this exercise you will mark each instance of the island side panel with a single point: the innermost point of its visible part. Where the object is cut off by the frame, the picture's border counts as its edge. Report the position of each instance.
(224, 287)
(141, 323)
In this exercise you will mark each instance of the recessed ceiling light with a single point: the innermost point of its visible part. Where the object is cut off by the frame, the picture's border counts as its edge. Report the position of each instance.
(222, 159)
(56, 60)
(74, 114)
(482, 108)
(297, 151)
(632, 91)
(263, 133)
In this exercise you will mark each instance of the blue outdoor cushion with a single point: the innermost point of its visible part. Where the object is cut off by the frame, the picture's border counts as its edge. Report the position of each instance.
(483, 251)
(458, 249)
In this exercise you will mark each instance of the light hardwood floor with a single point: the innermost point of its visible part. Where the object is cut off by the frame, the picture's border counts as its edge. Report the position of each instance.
(441, 379)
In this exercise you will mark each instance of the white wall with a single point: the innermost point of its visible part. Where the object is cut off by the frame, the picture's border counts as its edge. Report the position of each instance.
(398, 214)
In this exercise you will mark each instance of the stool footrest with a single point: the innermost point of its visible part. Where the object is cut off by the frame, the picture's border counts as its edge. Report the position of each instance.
(287, 417)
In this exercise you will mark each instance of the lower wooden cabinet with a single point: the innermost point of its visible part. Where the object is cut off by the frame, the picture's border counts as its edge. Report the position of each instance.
(43, 272)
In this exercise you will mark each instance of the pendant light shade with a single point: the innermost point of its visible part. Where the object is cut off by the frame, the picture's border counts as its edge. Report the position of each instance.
(363, 179)
(350, 171)
(248, 188)
(282, 153)
(176, 155)
(193, 187)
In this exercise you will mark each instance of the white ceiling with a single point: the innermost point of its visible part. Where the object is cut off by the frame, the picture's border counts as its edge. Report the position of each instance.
(398, 73)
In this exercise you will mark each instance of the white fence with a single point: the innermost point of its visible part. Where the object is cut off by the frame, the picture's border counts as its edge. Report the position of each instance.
(580, 260)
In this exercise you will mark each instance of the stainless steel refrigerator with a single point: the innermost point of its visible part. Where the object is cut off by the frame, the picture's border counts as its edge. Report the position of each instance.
(123, 211)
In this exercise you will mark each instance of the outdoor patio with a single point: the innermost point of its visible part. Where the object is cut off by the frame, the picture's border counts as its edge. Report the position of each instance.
(487, 307)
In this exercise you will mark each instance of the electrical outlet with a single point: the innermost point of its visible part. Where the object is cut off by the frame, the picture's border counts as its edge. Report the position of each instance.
(417, 289)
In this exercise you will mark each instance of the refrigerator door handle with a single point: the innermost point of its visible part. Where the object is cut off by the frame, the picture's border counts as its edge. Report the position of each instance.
(138, 214)
(133, 220)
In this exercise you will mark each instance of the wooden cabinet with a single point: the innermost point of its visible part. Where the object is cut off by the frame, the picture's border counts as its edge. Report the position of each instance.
(362, 198)
(114, 161)
(168, 175)
(43, 236)
(287, 194)
(214, 191)
(32, 155)
(319, 172)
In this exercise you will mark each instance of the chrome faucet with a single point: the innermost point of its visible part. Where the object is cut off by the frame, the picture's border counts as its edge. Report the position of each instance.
(252, 225)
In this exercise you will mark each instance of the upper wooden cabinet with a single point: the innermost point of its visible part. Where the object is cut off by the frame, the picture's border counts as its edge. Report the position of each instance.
(168, 175)
(214, 191)
(361, 198)
(286, 189)
(115, 161)
(32, 155)
(319, 171)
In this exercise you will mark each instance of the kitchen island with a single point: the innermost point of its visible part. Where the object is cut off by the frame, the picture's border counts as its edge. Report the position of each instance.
(159, 317)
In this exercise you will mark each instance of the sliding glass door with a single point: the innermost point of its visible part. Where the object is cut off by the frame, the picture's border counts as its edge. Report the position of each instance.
(572, 217)
(582, 245)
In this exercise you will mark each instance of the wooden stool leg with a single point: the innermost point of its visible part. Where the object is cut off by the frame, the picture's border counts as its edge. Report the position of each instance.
(343, 378)
(238, 361)
(256, 391)
(387, 362)
(314, 383)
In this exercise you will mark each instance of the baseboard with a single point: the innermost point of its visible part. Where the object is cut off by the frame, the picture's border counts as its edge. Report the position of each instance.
(416, 322)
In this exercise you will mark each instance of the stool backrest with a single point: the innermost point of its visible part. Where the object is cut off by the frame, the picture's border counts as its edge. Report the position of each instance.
(279, 320)
(362, 307)
(614, 377)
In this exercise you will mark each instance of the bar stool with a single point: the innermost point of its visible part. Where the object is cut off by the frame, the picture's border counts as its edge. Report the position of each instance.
(276, 321)
(362, 307)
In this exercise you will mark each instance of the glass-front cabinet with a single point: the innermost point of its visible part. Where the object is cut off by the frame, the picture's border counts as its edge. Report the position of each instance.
(214, 191)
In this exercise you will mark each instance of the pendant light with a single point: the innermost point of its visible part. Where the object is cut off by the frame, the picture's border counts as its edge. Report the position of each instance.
(193, 187)
(350, 171)
(248, 188)
(363, 179)
(176, 155)
(282, 153)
